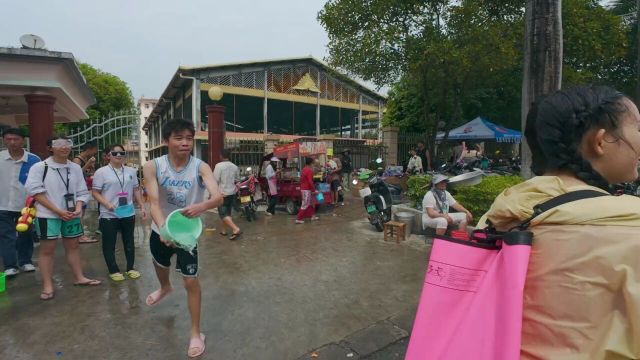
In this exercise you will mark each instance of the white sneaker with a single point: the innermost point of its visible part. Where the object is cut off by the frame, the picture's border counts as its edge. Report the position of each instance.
(299, 221)
(11, 272)
(268, 213)
(28, 268)
(315, 218)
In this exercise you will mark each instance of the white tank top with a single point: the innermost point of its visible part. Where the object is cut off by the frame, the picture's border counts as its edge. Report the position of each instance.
(178, 189)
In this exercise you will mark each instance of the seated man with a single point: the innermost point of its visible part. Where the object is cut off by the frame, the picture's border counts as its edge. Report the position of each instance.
(436, 204)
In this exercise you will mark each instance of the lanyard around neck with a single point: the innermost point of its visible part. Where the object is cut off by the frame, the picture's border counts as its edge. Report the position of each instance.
(118, 177)
(66, 184)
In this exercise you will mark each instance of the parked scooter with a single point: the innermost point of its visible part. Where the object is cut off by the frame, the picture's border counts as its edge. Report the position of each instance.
(246, 189)
(378, 202)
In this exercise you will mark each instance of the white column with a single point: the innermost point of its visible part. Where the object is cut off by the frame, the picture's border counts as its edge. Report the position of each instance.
(360, 118)
(264, 108)
(318, 107)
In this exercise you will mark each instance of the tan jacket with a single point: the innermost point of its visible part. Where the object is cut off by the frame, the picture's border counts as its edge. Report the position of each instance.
(582, 291)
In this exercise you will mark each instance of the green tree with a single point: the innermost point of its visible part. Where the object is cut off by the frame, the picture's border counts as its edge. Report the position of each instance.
(112, 93)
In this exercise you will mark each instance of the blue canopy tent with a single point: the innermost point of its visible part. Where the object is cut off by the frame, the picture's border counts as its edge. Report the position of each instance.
(482, 129)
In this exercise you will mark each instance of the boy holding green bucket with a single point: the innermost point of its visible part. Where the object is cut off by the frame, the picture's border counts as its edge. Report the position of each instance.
(178, 181)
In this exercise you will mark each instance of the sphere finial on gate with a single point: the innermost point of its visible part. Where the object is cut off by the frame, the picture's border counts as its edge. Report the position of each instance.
(215, 93)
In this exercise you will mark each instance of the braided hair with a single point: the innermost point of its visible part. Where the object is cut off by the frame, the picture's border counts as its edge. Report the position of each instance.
(556, 125)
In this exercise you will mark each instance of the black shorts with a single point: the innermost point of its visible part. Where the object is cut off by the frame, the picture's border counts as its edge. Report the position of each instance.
(186, 263)
(335, 184)
(227, 204)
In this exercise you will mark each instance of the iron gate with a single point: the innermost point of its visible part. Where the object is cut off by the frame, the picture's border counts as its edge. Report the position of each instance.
(120, 128)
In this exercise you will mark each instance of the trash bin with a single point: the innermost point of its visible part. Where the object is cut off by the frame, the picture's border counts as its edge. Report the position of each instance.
(407, 218)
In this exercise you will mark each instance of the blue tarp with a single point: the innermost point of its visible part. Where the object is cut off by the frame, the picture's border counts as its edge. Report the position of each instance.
(483, 129)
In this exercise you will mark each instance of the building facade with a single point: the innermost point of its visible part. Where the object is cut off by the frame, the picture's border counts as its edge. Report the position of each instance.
(291, 97)
(145, 107)
(39, 88)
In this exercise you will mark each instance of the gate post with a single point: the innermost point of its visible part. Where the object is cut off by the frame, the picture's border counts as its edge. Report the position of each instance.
(270, 141)
(328, 142)
(215, 116)
(390, 141)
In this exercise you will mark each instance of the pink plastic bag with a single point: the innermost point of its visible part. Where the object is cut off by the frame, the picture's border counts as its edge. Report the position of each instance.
(471, 302)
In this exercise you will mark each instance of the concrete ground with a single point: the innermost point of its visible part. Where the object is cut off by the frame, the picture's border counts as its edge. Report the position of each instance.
(279, 292)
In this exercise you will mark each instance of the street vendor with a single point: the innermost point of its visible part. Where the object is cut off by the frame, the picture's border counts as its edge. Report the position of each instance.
(436, 205)
(334, 178)
(271, 174)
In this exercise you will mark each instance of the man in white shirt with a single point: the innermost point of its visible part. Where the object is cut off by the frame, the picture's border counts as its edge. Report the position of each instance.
(415, 163)
(436, 205)
(15, 163)
(225, 174)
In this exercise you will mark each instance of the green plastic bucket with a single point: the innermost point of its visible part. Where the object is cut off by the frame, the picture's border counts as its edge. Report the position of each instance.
(3, 282)
(181, 230)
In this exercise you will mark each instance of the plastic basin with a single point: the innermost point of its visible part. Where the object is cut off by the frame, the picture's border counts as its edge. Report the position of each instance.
(125, 211)
(320, 198)
(3, 283)
(181, 230)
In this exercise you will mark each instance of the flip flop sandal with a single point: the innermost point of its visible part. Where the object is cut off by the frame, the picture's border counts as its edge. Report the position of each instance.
(87, 240)
(223, 233)
(154, 298)
(116, 277)
(45, 296)
(198, 345)
(133, 274)
(235, 236)
(92, 282)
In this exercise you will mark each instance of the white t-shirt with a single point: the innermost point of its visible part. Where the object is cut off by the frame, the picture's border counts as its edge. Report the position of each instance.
(54, 185)
(111, 181)
(226, 173)
(270, 174)
(429, 201)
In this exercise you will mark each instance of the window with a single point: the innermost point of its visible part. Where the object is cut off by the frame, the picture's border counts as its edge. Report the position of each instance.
(146, 106)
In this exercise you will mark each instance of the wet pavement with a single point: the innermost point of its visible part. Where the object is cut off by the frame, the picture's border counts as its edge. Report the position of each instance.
(279, 292)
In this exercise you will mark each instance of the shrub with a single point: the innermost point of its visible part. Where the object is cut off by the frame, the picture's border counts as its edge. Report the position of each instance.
(478, 198)
(417, 186)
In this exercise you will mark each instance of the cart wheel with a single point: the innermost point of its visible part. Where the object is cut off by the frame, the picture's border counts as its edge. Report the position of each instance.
(292, 207)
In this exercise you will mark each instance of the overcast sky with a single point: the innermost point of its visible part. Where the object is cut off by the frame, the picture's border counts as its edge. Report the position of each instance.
(143, 42)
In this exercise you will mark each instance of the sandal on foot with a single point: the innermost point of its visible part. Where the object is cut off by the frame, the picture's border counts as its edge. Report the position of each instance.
(235, 235)
(155, 297)
(196, 346)
(87, 240)
(92, 282)
(133, 274)
(116, 276)
(223, 233)
(44, 296)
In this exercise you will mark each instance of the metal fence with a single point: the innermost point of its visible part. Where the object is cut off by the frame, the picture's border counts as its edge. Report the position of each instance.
(245, 153)
(362, 154)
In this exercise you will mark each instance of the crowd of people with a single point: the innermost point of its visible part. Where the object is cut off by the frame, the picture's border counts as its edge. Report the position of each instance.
(62, 188)
(581, 138)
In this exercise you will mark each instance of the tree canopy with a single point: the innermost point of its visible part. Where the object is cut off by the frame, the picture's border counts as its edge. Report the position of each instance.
(112, 93)
(451, 61)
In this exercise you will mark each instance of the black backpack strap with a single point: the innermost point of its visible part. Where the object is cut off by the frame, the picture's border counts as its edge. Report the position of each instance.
(46, 169)
(560, 200)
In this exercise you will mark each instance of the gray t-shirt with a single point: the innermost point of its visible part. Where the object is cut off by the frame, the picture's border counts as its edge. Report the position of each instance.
(110, 182)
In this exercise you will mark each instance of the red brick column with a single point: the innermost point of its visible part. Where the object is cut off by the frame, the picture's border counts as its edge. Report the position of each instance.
(40, 108)
(215, 116)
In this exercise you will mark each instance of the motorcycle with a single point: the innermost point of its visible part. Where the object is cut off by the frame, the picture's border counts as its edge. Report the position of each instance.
(246, 189)
(378, 201)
